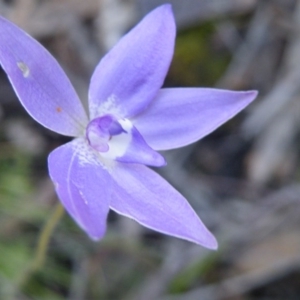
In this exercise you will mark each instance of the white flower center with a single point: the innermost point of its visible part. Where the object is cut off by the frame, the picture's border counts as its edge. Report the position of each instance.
(109, 136)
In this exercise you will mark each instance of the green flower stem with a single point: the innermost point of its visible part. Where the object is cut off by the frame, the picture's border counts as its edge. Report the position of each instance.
(44, 239)
(42, 246)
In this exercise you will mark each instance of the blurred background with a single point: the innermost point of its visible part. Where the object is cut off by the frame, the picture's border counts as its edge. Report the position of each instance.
(243, 180)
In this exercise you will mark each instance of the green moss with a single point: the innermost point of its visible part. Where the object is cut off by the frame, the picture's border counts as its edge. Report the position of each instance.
(195, 272)
(197, 60)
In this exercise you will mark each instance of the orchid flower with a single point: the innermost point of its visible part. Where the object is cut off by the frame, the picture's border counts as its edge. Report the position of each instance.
(130, 118)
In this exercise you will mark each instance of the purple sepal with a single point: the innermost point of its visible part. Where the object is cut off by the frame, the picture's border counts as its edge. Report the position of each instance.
(142, 195)
(83, 185)
(128, 77)
(39, 82)
(181, 116)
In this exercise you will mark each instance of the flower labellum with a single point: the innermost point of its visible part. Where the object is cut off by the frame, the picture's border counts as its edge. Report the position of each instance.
(130, 119)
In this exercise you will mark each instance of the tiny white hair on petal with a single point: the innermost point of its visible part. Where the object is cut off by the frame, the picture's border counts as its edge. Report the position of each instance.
(83, 197)
(109, 106)
(85, 153)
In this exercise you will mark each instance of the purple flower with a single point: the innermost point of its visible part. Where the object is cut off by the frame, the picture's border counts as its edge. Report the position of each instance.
(130, 118)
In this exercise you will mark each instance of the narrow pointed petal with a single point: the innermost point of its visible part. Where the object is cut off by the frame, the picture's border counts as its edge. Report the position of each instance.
(39, 82)
(130, 75)
(181, 116)
(83, 185)
(128, 146)
(147, 198)
(138, 151)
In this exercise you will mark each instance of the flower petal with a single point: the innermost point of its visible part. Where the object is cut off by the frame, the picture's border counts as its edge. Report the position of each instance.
(129, 76)
(181, 116)
(39, 82)
(138, 151)
(82, 184)
(141, 194)
(127, 145)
